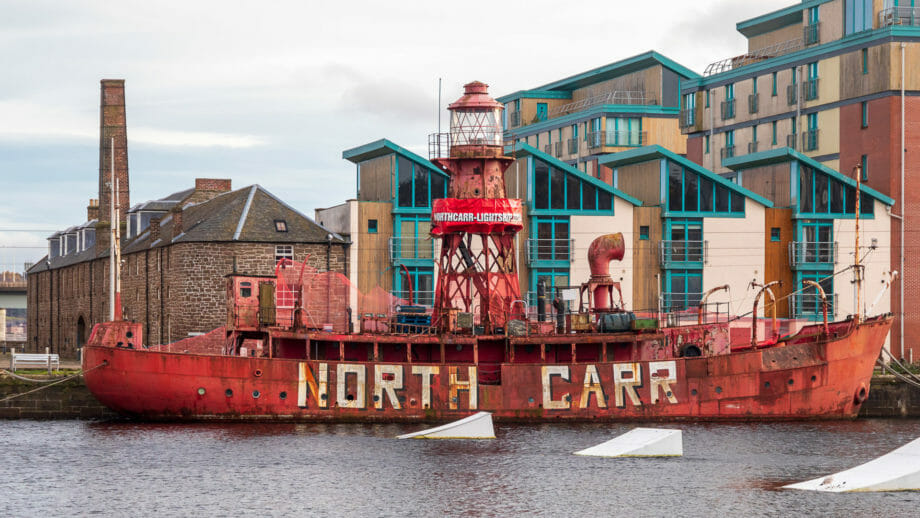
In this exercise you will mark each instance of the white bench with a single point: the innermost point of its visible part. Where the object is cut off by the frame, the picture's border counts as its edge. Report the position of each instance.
(34, 361)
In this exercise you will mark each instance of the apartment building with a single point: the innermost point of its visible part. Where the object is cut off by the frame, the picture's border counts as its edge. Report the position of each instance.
(626, 104)
(838, 82)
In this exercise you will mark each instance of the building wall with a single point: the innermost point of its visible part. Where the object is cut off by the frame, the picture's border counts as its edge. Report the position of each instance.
(585, 229)
(373, 263)
(646, 271)
(735, 254)
(783, 34)
(376, 178)
(876, 262)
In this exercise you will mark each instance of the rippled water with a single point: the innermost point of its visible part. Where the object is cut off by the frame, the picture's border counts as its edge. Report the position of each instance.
(136, 469)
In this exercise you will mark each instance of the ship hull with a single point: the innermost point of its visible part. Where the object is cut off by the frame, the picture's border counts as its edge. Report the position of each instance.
(805, 378)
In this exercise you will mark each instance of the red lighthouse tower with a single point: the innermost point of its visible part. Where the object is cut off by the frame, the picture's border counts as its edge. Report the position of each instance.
(476, 223)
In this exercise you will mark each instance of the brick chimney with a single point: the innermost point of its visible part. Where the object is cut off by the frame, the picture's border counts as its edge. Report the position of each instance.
(154, 229)
(92, 210)
(112, 124)
(207, 188)
(176, 213)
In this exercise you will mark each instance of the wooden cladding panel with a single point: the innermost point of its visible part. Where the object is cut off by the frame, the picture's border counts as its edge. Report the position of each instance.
(771, 182)
(373, 250)
(645, 258)
(776, 258)
(642, 181)
(647, 80)
(376, 179)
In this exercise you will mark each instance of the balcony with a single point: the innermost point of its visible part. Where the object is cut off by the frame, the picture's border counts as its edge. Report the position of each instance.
(790, 141)
(909, 16)
(677, 254)
(559, 149)
(541, 250)
(610, 97)
(728, 109)
(810, 140)
(753, 103)
(728, 152)
(626, 138)
(752, 147)
(792, 92)
(573, 146)
(407, 248)
(595, 139)
(811, 89)
(515, 119)
(687, 117)
(808, 305)
(812, 34)
(421, 298)
(754, 56)
(548, 148)
(804, 254)
(676, 301)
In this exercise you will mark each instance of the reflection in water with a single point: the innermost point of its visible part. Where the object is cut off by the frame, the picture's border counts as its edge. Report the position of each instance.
(170, 469)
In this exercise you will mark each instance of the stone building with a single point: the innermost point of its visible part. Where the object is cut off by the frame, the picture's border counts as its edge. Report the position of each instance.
(176, 252)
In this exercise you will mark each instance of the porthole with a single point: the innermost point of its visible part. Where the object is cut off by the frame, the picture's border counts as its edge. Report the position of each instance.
(766, 384)
(256, 394)
(693, 392)
(201, 391)
(718, 390)
(228, 393)
(257, 373)
(283, 395)
(791, 382)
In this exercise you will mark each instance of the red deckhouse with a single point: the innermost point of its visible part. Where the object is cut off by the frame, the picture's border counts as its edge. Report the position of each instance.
(477, 223)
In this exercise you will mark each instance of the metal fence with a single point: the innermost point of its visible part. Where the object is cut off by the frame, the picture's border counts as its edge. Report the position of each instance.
(411, 247)
(899, 16)
(812, 253)
(548, 250)
(672, 252)
(808, 305)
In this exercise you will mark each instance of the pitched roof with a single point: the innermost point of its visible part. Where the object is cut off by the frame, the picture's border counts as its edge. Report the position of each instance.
(383, 147)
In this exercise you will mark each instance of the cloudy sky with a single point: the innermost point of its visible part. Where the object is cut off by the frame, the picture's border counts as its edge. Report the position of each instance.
(272, 92)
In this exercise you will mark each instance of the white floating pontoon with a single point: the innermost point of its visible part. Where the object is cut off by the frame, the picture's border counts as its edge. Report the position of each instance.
(476, 426)
(898, 470)
(640, 442)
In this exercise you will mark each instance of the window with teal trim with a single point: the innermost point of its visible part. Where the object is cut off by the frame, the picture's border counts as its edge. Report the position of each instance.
(422, 278)
(706, 144)
(683, 288)
(552, 278)
(774, 86)
(542, 112)
(624, 131)
(864, 114)
(550, 243)
(692, 192)
(820, 194)
(774, 132)
(864, 170)
(857, 16)
(412, 239)
(555, 189)
(643, 232)
(775, 234)
(807, 303)
(865, 61)
(417, 185)
(372, 226)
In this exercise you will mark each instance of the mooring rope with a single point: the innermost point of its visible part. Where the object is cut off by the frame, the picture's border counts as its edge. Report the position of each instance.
(14, 396)
(896, 374)
(903, 367)
(23, 378)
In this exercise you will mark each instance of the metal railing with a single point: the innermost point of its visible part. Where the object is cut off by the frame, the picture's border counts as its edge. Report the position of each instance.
(810, 140)
(753, 103)
(687, 117)
(419, 298)
(677, 301)
(728, 152)
(810, 253)
(752, 147)
(515, 118)
(809, 305)
(791, 140)
(611, 97)
(573, 146)
(792, 93)
(595, 139)
(812, 34)
(549, 250)
(899, 16)
(673, 253)
(438, 145)
(410, 247)
(626, 138)
(559, 148)
(754, 56)
(728, 109)
(811, 89)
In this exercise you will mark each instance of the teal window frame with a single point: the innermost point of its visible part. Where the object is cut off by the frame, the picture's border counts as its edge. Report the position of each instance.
(415, 172)
(812, 121)
(643, 232)
(864, 169)
(774, 85)
(865, 60)
(706, 143)
(754, 85)
(371, 226)
(774, 132)
(422, 283)
(695, 204)
(775, 234)
(633, 130)
(591, 199)
(864, 114)
(813, 310)
(707, 98)
(813, 16)
(417, 257)
(754, 133)
(542, 112)
(559, 228)
(820, 196)
(680, 281)
(559, 277)
(729, 91)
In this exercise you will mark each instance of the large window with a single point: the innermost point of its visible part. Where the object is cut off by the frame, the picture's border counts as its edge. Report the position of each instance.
(820, 193)
(857, 16)
(683, 289)
(692, 192)
(422, 278)
(624, 131)
(413, 238)
(555, 189)
(551, 240)
(417, 185)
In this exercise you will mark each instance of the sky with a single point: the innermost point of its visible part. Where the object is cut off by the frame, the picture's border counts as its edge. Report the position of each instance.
(272, 92)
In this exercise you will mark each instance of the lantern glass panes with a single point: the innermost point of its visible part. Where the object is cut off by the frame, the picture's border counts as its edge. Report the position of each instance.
(476, 127)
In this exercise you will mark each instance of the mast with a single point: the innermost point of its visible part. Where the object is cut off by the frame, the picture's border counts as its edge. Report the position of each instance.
(114, 246)
(857, 268)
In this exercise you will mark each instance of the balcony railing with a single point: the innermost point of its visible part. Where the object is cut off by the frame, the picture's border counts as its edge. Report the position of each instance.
(611, 97)
(810, 140)
(573, 146)
(626, 138)
(559, 148)
(420, 298)
(548, 250)
(753, 103)
(410, 247)
(813, 34)
(809, 305)
(728, 152)
(515, 119)
(728, 109)
(548, 148)
(791, 141)
(811, 89)
(899, 16)
(754, 56)
(805, 253)
(792, 92)
(677, 301)
(752, 147)
(687, 117)
(673, 253)
(595, 139)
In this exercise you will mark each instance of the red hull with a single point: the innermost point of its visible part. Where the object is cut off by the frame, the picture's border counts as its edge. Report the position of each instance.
(803, 378)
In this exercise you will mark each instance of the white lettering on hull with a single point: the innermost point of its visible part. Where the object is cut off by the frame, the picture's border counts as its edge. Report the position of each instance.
(550, 372)
(470, 386)
(662, 374)
(387, 380)
(626, 377)
(592, 385)
(356, 400)
(426, 372)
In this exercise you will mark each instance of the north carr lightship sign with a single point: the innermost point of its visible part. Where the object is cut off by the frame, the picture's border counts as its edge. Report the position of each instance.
(480, 346)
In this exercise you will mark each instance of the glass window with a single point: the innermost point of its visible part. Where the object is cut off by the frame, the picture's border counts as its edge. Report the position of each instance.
(541, 185)
(421, 186)
(404, 175)
(864, 168)
(836, 197)
(557, 189)
(865, 61)
(774, 84)
(865, 113)
(372, 226)
(866, 205)
(774, 234)
(604, 201)
(706, 142)
(774, 133)
(721, 198)
(589, 197)
(438, 186)
(706, 194)
(690, 192)
(643, 232)
(821, 194)
(737, 202)
(675, 188)
(807, 190)
(573, 193)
